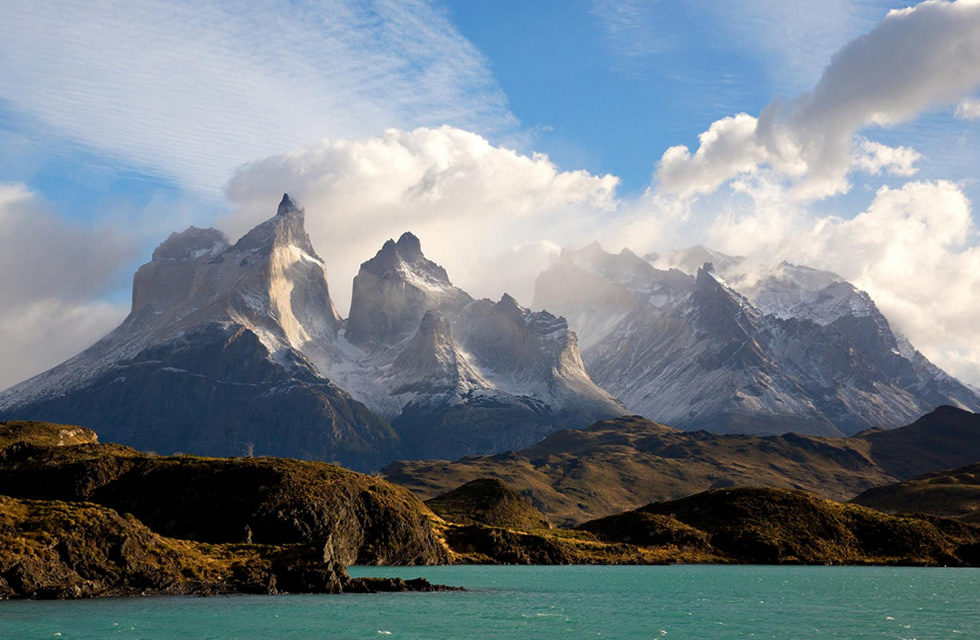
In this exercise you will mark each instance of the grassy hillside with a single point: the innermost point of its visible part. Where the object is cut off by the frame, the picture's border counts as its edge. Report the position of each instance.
(490, 502)
(620, 464)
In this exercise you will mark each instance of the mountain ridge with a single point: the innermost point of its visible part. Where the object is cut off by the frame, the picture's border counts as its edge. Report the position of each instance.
(733, 350)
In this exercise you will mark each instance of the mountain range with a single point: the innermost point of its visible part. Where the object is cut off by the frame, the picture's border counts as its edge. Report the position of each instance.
(706, 343)
(238, 349)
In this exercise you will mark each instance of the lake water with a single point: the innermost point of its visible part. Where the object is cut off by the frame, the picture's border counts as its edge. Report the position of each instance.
(553, 602)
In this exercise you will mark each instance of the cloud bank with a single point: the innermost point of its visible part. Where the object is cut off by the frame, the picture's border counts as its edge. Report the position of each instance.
(917, 58)
(479, 209)
(50, 273)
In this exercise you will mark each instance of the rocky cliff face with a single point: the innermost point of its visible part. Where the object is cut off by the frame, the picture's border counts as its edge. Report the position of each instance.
(794, 349)
(394, 290)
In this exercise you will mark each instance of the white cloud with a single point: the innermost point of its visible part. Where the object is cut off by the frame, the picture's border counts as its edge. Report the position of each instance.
(41, 334)
(919, 58)
(728, 148)
(969, 109)
(189, 89)
(469, 202)
(875, 158)
(50, 273)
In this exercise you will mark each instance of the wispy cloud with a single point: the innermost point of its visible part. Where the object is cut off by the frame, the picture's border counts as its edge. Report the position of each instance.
(189, 90)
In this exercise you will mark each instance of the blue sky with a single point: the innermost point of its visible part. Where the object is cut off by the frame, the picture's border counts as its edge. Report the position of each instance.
(124, 122)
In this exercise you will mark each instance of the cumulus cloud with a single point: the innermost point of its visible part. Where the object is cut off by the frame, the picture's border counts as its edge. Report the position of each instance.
(50, 273)
(190, 89)
(470, 203)
(915, 59)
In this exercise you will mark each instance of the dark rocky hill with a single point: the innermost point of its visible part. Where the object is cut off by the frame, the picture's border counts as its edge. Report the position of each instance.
(232, 500)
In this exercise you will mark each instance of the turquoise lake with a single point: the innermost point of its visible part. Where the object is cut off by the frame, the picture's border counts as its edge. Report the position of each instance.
(553, 602)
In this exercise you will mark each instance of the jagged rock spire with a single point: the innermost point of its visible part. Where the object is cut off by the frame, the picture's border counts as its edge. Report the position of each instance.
(394, 289)
(287, 206)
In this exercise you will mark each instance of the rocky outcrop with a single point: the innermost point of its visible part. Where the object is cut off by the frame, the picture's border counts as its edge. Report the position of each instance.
(44, 434)
(393, 291)
(60, 550)
(457, 376)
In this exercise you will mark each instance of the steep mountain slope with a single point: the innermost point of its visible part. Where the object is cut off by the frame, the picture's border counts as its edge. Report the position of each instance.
(217, 357)
(801, 351)
(621, 464)
(458, 376)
